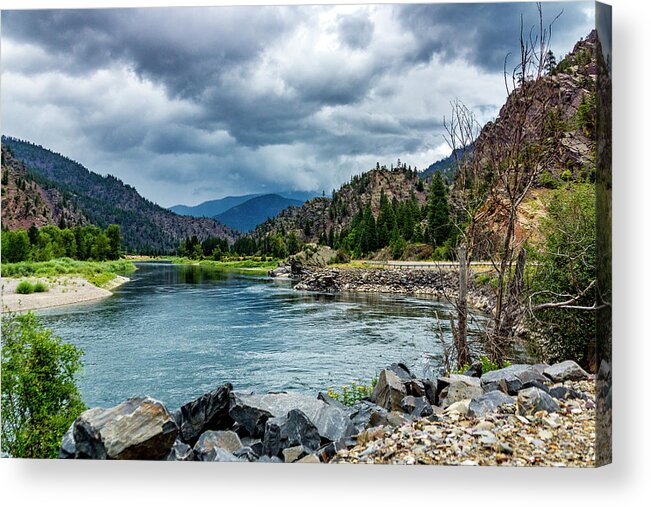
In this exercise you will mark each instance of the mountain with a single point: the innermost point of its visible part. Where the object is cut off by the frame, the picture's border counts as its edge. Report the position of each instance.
(145, 226)
(216, 207)
(320, 215)
(446, 166)
(246, 216)
(212, 208)
(25, 202)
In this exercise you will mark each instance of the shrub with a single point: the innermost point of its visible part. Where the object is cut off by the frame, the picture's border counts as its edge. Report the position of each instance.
(25, 287)
(567, 266)
(40, 399)
(546, 180)
(349, 395)
(41, 287)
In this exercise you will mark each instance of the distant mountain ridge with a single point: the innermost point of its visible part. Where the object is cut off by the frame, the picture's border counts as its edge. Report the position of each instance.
(215, 207)
(145, 226)
(248, 215)
(446, 166)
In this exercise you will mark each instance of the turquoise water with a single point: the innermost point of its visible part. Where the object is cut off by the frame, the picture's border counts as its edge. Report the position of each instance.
(174, 332)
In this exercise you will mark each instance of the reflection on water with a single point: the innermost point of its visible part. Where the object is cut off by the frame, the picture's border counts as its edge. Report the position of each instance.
(174, 332)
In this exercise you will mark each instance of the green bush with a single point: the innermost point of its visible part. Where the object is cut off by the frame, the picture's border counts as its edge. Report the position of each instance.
(25, 287)
(41, 287)
(349, 395)
(567, 267)
(40, 399)
(486, 366)
(547, 180)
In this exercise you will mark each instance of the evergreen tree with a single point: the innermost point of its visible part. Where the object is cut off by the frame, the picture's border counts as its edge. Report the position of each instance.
(114, 241)
(438, 213)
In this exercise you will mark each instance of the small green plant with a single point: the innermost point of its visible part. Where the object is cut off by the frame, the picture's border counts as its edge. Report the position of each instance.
(351, 394)
(41, 287)
(101, 279)
(25, 287)
(486, 366)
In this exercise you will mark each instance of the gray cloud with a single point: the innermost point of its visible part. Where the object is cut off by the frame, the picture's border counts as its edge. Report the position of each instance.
(189, 104)
(355, 31)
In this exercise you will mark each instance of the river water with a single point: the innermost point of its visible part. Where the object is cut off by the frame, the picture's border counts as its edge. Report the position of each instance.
(175, 332)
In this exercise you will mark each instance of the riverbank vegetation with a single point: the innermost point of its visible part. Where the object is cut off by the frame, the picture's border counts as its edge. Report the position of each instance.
(50, 242)
(98, 273)
(40, 399)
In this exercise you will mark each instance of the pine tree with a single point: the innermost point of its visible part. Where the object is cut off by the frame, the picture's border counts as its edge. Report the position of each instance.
(438, 213)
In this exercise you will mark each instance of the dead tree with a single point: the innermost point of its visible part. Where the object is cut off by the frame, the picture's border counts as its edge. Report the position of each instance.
(467, 196)
(515, 158)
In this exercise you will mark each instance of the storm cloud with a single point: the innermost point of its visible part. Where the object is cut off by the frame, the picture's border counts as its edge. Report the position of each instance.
(189, 104)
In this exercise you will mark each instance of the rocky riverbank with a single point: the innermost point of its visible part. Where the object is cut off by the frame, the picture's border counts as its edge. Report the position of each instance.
(520, 415)
(436, 283)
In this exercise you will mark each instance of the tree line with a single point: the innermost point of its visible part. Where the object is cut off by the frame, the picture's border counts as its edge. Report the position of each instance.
(50, 242)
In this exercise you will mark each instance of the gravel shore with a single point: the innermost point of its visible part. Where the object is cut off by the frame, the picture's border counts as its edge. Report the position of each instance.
(562, 439)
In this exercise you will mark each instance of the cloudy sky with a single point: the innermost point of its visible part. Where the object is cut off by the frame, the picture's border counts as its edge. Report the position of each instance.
(191, 104)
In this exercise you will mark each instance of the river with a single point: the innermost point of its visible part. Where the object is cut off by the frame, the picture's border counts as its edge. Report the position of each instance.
(175, 332)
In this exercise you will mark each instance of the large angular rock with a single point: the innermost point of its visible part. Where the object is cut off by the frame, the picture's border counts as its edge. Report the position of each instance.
(533, 400)
(291, 430)
(457, 388)
(389, 391)
(567, 370)
(180, 452)
(209, 412)
(489, 402)
(362, 413)
(139, 428)
(68, 445)
(511, 379)
(246, 454)
(253, 410)
(212, 445)
(418, 407)
(293, 454)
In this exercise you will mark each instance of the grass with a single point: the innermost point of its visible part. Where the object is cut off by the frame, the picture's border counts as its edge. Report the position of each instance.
(95, 272)
(27, 287)
(251, 265)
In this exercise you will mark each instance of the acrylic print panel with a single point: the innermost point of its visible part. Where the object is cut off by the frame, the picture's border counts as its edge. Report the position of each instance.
(308, 234)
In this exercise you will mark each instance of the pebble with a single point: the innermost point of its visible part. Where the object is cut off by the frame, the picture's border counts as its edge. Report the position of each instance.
(564, 439)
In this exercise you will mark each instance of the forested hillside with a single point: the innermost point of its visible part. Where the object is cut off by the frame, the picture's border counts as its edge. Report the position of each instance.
(146, 227)
(26, 203)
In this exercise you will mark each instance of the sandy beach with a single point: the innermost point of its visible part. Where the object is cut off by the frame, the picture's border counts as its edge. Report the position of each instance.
(63, 290)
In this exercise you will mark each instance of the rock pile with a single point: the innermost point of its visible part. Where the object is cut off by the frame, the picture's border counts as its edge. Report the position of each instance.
(439, 284)
(516, 415)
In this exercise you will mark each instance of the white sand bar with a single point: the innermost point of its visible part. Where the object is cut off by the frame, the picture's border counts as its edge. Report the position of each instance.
(63, 290)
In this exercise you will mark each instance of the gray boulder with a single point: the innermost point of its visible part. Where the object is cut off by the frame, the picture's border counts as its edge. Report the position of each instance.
(389, 391)
(217, 446)
(209, 412)
(567, 370)
(533, 400)
(511, 379)
(253, 410)
(246, 454)
(139, 428)
(291, 430)
(362, 412)
(68, 445)
(245, 409)
(255, 444)
(417, 407)
(489, 402)
(457, 388)
(180, 452)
